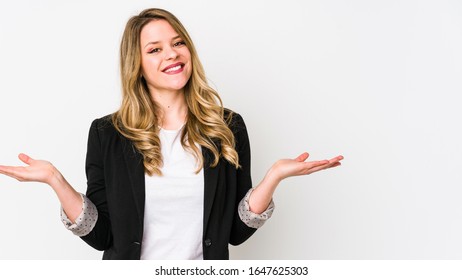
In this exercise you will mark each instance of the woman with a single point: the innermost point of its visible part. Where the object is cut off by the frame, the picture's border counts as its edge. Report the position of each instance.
(169, 172)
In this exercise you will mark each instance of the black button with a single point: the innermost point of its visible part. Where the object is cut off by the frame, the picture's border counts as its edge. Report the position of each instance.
(137, 243)
(207, 242)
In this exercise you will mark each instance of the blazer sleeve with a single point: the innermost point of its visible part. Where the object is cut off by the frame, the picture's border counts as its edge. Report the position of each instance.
(240, 232)
(100, 237)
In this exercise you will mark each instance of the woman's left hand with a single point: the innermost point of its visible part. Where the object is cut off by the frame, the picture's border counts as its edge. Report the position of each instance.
(285, 168)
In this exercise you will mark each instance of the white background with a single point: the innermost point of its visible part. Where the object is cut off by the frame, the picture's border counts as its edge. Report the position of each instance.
(376, 81)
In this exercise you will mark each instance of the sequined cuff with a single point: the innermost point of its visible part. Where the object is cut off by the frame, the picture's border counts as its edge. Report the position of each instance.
(251, 219)
(85, 222)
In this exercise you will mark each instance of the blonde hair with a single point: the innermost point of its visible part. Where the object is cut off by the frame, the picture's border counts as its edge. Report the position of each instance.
(137, 119)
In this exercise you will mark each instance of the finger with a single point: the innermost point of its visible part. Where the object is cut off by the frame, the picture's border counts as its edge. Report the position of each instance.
(334, 165)
(20, 179)
(316, 169)
(11, 172)
(314, 164)
(323, 167)
(25, 158)
(340, 157)
(302, 157)
(5, 169)
(336, 159)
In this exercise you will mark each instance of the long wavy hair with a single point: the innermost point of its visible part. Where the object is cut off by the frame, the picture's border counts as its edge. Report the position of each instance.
(137, 119)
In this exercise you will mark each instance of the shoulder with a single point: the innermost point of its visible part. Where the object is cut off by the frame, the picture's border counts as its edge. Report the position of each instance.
(234, 121)
(103, 122)
(103, 126)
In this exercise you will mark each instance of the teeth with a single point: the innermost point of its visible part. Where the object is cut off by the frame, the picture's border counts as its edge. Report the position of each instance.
(173, 68)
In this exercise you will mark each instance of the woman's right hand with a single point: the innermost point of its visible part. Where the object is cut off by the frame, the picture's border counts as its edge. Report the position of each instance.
(44, 172)
(35, 171)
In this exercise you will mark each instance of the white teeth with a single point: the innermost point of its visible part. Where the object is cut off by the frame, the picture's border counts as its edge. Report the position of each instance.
(173, 68)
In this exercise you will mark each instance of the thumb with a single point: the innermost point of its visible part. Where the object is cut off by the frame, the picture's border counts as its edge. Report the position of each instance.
(25, 158)
(302, 157)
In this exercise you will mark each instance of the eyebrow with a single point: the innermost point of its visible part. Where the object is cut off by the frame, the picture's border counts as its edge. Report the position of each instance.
(156, 42)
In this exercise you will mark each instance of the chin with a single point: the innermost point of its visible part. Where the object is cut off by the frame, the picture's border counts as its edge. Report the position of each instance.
(179, 85)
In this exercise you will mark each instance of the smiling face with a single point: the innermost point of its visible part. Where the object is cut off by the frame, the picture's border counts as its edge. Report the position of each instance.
(165, 58)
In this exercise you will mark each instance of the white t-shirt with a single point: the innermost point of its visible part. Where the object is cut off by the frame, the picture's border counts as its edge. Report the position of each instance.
(173, 215)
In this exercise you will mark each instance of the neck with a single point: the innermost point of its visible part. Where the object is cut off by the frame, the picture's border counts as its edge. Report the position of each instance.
(173, 109)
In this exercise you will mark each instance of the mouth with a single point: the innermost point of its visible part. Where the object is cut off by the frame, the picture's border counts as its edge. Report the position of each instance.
(174, 68)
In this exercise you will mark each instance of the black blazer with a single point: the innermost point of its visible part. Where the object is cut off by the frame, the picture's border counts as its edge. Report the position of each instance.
(115, 178)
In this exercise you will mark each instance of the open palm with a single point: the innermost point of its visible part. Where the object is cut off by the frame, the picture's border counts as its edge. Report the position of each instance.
(35, 171)
(285, 168)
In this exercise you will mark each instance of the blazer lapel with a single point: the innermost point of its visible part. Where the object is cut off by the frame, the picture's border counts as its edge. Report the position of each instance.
(135, 170)
(210, 184)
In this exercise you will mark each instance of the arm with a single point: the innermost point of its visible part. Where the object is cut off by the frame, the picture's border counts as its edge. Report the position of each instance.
(44, 172)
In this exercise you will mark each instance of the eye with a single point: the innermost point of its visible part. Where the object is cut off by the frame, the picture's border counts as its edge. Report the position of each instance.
(179, 43)
(155, 50)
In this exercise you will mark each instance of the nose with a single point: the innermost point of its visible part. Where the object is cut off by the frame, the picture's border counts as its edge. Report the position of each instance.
(171, 54)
